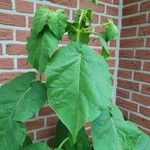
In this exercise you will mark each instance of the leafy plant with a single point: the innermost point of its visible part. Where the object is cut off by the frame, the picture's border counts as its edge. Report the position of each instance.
(78, 88)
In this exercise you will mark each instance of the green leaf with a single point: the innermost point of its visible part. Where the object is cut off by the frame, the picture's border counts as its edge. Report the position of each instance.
(79, 85)
(111, 126)
(12, 134)
(95, 1)
(22, 97)
(40, 20)
(38, 146)
(27, 142)
(57, 22)
(111, 30)
(82, 142)
(105, 51)
(40, 48)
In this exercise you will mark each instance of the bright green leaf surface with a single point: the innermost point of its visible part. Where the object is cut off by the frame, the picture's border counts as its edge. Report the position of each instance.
(40, 49)
(122, 135)
(82, 142)
(22, 97)
(57, 22)
(38, 146)
(12, 134)
(79, 85)
(40, 20)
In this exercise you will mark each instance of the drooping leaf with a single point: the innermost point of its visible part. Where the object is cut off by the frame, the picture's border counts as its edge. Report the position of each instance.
(57, 22)
(105, 51)
(38, 146)
(111, 30)
(82, 142)
(79, 85)
(40, 49)
(22, 97)
(27, 142)
(40, 20)
(12, 134)
(111, 126)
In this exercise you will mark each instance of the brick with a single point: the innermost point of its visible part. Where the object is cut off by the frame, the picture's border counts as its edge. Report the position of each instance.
(111, 62)
(5, 4)
(107, 1)
(16, 49)
(145, 6)
(130, 64)
(45, 111)
(6, 34)
(35, 124)
(45, 133)
(142, 54)
(105, 19)
(128, 85)
(123, 93)
(24, 6)
(126, 104)
(21, 35)
(71, 3)
(11, 19)
(31, 135)
(94, 42)
(135, 20)
(125, 113)
(128, 32)
(130, 1)
(144, 31)
(146, 66)
(5, 77)
(6, 63)
(22, 63)
(144, 77)
(142, 99)
(126, 54)
(145, 111)
(113, 43)
(148, 18)
(131, 43)
(130, 10)
(51, 142)
(0, 49)
(116, 2)
(146, 89)
(99, 8)
(148, 42)
(113, 11)
(95, 19)
(30, 20)
(51, 121)
(140, 121)
(125, 74)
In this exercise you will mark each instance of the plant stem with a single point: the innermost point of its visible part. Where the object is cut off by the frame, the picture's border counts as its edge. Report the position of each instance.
(98, 25)
(63, 142)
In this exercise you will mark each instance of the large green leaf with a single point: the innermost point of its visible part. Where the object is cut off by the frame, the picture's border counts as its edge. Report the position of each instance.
(57, 22)
(12, 134)
(22, 97)
(79, 85)
(40, 48)
(122, 135)
(82, 142)
(38, 146)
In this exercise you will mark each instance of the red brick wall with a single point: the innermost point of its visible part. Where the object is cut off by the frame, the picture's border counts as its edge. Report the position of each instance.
(133, 91)
(15, 22)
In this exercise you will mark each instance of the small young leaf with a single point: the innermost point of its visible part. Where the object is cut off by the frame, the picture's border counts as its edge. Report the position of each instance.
(40, 48)
(38, 146)
(111, 30)
(67, 93)
(57, 22)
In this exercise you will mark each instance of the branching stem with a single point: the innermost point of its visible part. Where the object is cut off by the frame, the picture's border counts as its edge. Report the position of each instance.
(63, 142)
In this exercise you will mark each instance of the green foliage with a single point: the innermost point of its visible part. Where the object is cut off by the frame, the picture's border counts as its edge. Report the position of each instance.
(78, 93)
(82, 142)
(111, 125)
(78, 86)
